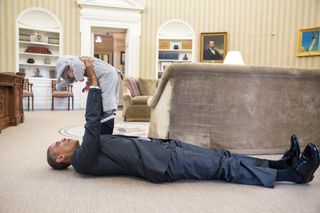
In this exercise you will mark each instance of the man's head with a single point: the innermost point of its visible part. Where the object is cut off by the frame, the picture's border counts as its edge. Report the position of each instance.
(59, 153)
(211, 44)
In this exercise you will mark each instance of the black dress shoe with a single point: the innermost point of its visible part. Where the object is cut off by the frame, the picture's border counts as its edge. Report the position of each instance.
(308, 163)
(292, 155)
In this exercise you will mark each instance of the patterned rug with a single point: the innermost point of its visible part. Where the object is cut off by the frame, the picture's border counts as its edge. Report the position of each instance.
(128, 128)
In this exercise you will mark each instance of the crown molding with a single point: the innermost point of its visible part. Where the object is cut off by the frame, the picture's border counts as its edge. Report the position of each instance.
(119, 4)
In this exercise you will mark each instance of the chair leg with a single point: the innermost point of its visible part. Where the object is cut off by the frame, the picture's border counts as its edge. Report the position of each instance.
(52, 103)
(23, 98)
(68, 103)
(72, 103)
(32, 103)
(28, 103)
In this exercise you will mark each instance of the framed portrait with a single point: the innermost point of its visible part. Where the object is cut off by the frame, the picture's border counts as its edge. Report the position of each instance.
(122, 57)
(308, 42)
(213, 47)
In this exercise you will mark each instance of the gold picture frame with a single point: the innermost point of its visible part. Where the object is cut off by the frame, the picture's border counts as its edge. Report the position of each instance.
(308, 42)
(213, 47)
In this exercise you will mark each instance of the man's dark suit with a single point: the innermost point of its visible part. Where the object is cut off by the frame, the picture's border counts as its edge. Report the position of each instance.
(160, 160)
(208, 55)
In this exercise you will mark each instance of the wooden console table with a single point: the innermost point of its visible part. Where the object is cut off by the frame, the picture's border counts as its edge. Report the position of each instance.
(11, 111)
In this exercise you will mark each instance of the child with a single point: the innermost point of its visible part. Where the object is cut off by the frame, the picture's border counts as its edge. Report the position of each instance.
(72, 68)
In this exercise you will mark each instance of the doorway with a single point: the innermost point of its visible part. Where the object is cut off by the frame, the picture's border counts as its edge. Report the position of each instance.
(109, 45)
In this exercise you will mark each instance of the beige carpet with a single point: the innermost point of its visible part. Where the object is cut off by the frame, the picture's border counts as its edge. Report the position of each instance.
(124, 128)
(27, 184)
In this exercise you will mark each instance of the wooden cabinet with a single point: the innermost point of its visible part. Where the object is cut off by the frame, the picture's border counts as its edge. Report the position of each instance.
(11, 113)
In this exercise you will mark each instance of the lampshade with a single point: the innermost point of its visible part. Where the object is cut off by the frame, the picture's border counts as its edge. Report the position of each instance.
(233, 57)
(98, 39)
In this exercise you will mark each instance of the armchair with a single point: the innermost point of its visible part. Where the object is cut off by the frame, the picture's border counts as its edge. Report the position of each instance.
(136, 93)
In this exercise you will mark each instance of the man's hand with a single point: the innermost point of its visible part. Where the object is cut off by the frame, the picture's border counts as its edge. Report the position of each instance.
(89, 63)
(92, 78)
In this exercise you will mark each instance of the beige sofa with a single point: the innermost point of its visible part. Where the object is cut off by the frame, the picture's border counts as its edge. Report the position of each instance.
(135, 108)
(247, 109)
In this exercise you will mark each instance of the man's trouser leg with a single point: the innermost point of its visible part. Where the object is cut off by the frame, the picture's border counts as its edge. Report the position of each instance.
(192, 162)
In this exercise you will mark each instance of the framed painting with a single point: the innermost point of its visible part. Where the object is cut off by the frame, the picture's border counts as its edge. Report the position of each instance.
(213, 47)
(308, 42)
(122, 57)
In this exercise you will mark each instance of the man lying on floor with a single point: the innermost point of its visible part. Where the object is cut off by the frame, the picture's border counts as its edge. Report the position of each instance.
(159, 160)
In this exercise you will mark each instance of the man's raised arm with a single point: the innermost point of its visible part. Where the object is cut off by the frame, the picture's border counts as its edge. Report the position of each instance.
(91, 139)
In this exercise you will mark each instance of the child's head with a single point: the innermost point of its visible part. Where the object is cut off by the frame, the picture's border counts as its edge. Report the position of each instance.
(70, 69)
(69, 73)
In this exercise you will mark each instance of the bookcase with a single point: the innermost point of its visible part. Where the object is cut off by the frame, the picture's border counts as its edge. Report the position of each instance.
(173, 51)
(38, 52)
(39, 44)
(175, 44)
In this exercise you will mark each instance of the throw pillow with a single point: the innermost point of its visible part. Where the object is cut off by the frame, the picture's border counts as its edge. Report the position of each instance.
(133, 86)
(147, 86)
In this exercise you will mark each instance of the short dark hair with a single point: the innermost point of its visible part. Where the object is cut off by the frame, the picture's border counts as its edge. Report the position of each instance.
(51, 158)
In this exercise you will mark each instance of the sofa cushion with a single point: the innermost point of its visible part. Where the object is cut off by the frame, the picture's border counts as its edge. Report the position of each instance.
(147, 86)
(140, 100)
(133, 86)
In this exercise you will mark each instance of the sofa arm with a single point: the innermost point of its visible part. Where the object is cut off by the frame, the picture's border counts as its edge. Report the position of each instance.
(153, 101)
(126, 95)
(127, 98)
